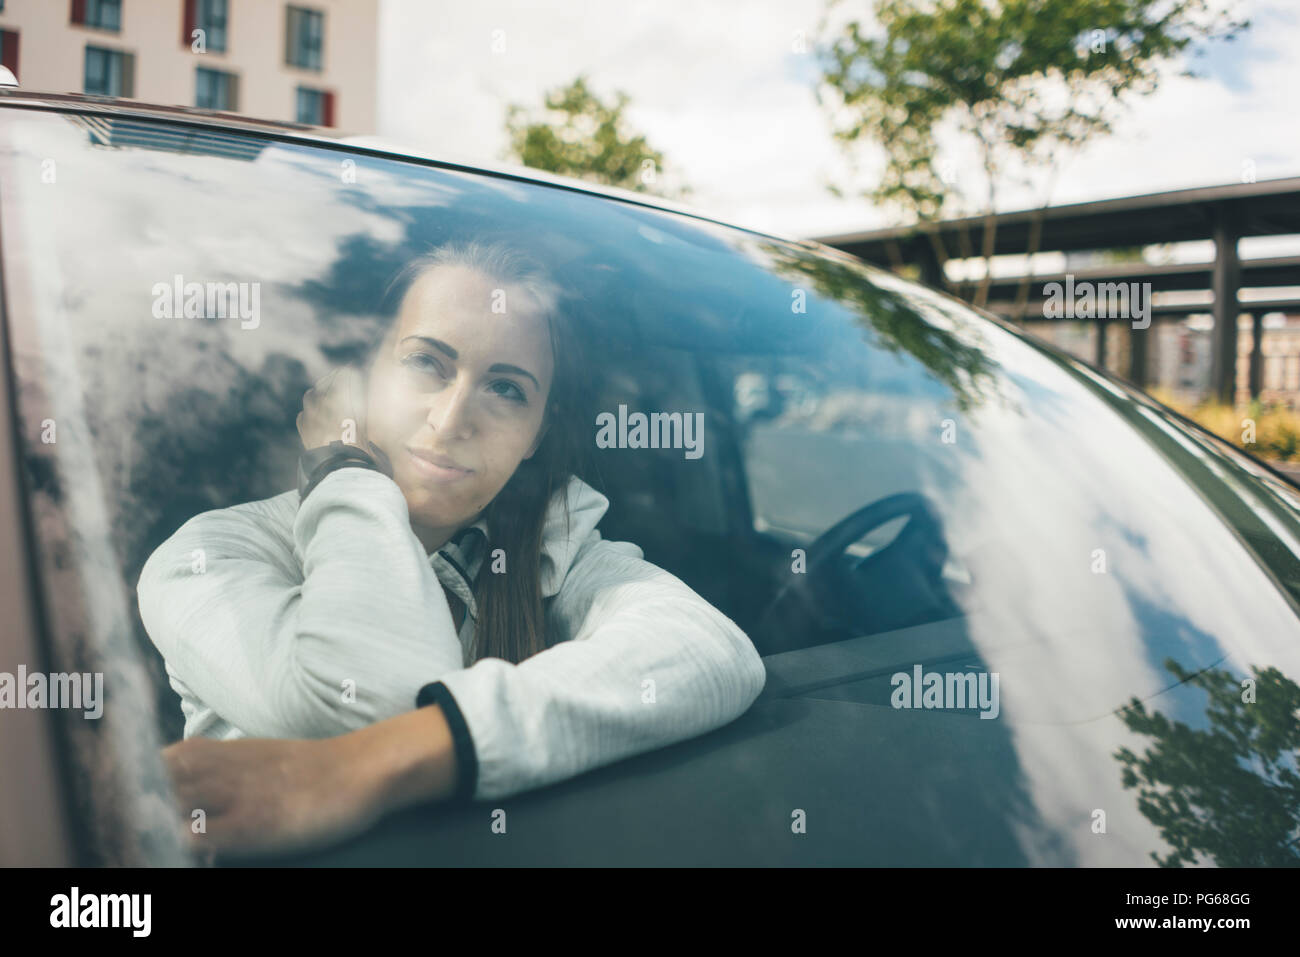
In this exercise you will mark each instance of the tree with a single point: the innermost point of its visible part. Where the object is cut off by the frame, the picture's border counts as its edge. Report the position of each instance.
(586, 138)
(1018, 79)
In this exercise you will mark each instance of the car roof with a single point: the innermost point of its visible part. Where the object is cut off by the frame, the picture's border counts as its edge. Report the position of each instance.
(371, 145)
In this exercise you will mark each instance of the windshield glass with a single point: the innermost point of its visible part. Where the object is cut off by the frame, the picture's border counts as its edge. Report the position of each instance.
(863, 474)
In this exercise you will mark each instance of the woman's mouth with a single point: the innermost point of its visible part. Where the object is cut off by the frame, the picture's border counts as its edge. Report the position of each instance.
(437, 468)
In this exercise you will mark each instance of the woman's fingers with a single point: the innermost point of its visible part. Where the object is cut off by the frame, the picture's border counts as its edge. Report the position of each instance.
(334, 408)
(357, 401)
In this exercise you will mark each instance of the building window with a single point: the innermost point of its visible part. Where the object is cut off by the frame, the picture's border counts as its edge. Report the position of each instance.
(9, 49)
(109, 72)
(315, 107)
(101, 14)
(215, 90)
(210, 16)
(304, 37)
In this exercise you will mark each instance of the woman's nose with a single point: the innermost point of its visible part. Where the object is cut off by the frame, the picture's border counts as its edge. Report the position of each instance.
(452, 412)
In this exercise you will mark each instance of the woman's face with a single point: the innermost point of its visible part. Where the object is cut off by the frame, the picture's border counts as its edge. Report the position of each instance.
(457, 394)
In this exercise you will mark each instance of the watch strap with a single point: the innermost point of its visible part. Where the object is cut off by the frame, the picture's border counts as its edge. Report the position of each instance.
(315, 464)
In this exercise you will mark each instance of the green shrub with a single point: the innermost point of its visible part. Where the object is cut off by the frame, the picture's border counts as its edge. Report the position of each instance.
(1277, 428)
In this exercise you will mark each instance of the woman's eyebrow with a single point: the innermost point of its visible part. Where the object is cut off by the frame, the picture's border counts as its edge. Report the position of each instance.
(498, 367)
(437, 344)
(502, 367)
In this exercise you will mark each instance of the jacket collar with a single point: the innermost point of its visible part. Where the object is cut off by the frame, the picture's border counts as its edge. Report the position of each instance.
(459, 562)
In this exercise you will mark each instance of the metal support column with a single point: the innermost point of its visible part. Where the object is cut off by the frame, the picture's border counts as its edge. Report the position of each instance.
(1137, 356)
(1225, 280)
(1256, 354)
(931, 268)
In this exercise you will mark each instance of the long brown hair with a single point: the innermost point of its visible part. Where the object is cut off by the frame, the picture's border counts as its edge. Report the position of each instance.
(511, 621)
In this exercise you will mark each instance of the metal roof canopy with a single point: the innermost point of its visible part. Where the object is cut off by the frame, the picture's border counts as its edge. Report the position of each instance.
(1266, 208)
(1222, 214)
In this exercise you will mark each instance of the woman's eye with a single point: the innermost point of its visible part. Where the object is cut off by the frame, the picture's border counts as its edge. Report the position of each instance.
(508, 390)
(422, 362)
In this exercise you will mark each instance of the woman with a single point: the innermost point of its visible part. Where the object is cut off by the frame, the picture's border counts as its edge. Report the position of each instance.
(433, 612)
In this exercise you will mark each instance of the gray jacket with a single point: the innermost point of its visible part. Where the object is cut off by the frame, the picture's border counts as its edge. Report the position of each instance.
(281, 621)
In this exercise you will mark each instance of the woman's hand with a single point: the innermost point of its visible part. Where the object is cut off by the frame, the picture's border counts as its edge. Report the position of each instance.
(334, 409)
(271, 796)
(265, 796)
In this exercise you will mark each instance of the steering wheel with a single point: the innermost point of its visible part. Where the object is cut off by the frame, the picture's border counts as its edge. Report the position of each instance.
(893, 587)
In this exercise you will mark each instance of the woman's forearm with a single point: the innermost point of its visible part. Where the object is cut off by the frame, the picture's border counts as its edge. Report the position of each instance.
(372, 614)
(404, 760)
(282, 650)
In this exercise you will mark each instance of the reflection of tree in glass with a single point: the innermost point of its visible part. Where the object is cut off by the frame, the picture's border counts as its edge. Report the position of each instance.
(1230, 792)
(897, 326)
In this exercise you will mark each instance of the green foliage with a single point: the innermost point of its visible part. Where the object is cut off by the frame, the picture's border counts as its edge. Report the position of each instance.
(1230, 792)
(1124, 254)
(585, 138)
(1277, 428)
(1028, 78)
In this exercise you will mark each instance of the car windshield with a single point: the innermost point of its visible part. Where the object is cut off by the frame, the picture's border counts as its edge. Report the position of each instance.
(863, 474)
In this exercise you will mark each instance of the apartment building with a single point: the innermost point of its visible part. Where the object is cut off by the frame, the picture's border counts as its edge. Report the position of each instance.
(314, 61)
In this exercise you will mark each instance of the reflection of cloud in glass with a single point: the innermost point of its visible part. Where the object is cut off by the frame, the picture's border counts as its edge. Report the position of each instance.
(1035, 492)
(836, 408)
(1047, 489)
(118, 221)
(294, 213)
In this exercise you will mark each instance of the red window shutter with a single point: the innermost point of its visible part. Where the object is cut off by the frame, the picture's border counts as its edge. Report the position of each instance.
(189, 21)
(9, 50)
(329, 108)
(78, 11)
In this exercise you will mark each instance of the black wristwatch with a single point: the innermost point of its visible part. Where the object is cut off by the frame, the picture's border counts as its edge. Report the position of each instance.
(315, 464)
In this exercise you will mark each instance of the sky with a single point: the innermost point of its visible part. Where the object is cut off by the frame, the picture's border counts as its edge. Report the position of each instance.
(719, 87)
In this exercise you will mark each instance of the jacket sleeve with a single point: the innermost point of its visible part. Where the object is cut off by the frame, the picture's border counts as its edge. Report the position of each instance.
(650, 663)
(329, 637)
